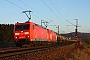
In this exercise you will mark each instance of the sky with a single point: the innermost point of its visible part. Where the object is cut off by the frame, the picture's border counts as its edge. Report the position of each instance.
(57, 12)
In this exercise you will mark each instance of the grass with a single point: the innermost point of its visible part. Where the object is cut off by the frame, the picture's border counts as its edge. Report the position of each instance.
(87, 45)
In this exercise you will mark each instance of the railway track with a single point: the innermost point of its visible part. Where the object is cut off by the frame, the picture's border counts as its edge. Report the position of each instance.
(19, 51)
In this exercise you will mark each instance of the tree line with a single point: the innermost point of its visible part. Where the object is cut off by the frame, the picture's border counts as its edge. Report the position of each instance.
(6, 32)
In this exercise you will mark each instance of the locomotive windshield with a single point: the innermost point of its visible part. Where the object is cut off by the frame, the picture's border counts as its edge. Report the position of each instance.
(22, 27)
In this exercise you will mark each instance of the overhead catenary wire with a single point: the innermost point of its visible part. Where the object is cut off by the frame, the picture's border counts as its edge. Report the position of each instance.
(34, 10)
(53, 6)
(15, 5)
(21, 8)
(56, 9)
(58, 12)
(50, 8)
(70, 22)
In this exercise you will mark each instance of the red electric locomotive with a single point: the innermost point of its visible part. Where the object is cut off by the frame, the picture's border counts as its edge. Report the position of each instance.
(29, 31)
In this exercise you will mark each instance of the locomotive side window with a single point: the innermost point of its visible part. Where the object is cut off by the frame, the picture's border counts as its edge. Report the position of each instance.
(22, 27)
(33, 27)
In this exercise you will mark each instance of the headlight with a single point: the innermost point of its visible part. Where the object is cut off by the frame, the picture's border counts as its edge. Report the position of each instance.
(26, 32)
(16, 33)
(27, 37)
(16, 37)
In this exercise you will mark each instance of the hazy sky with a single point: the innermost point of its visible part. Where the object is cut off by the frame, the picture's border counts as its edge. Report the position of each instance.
(57, 10)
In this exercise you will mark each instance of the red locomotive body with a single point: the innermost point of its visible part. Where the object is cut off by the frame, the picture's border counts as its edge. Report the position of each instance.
(54, 36)
(29, 31)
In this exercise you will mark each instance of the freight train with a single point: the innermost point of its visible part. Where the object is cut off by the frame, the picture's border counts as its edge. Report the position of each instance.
(30, 31)
(27, 32)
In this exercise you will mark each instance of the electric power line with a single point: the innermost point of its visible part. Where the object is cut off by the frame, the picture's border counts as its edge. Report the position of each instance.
(58, 12)
(20, 7)
(34, 10)
(56, 9)
(49, 8)
(53, 6)
(16, 5)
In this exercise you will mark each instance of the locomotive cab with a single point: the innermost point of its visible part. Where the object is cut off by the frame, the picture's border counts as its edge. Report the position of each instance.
(22, 33)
